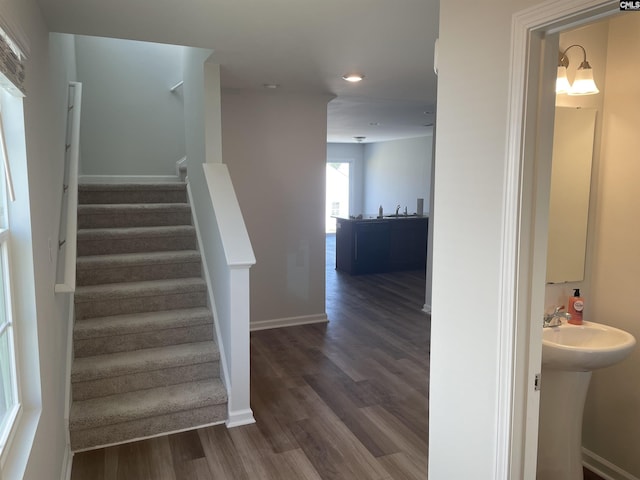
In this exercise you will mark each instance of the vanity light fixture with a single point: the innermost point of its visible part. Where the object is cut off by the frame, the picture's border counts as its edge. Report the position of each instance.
(583, 83)
(353, 77)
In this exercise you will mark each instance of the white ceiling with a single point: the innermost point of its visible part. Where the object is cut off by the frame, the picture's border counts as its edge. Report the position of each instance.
(302, 45)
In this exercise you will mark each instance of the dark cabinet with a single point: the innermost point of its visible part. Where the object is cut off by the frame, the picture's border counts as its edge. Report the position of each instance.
(381, 245)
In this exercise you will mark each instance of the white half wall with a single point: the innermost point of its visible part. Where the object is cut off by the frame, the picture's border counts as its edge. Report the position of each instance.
(397, 172)
(132, 124)
(275, 146)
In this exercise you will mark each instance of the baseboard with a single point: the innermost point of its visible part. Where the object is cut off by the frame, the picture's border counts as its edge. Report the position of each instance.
(156, 435)
(603, 467)
(426, 309)
(288, 322)
(67, 463)
(128, 178)
(240, 418)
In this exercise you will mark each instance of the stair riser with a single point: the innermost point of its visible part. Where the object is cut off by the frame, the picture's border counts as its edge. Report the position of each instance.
(146, 427)
(136, 341)
(153, 303)
(114, 197)
(127, 219)
(135, 245)
(91, 275)
(142, 380)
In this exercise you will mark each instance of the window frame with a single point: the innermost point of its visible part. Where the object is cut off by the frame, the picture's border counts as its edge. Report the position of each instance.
(12, 416)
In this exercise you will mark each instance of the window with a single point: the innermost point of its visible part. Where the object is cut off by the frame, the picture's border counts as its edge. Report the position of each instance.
(9, 397)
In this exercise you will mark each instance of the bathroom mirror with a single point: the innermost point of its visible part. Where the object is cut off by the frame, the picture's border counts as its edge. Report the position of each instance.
(573, 138)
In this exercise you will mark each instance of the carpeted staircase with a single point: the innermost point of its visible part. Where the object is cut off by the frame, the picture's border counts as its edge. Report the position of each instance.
(145, 359)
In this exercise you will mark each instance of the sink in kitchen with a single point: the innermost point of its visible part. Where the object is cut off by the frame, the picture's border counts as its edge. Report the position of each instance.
(582, 348)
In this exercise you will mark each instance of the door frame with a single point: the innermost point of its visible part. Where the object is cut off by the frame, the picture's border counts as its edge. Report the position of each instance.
(534, 50)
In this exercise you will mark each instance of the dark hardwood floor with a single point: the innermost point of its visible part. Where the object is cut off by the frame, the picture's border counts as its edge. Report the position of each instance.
(345, 400)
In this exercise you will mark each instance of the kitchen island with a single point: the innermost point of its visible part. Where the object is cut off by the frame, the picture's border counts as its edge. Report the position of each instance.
(376, 245)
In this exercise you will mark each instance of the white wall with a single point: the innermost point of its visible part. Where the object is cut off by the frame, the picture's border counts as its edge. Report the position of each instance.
(475, 43)
(612, 418)
(41, 316)
(354, 154)
(397, 172)
(131, 123)
(275, 146)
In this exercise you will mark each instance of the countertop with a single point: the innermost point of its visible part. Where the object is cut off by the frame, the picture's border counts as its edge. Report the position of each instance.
(374, 216)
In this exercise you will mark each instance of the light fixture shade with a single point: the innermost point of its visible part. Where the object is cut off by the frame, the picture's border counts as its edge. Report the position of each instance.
(562, 82)
(583, 83)
(353, 77)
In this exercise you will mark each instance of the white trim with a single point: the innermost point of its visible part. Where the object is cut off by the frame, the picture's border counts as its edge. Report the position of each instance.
(67, 464)
(156, 435)
(110, 179)
(603, 467)
(224, 372)
(288, 322)
(240, 418)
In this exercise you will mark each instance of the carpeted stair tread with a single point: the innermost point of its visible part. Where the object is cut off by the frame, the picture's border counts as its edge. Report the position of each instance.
(146, 360)
(138, 289)
(132, 193)
(133, 215)
(133, 232)
(141, 322)
(121, 408)
(109, 208)
(127, 259)
(130, 187)
(101, 241)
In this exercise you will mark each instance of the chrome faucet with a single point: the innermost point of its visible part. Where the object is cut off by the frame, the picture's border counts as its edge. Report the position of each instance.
(555, 319)
(397, 210)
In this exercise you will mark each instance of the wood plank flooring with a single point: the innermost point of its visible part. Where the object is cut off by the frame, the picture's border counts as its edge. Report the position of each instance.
(346, 400)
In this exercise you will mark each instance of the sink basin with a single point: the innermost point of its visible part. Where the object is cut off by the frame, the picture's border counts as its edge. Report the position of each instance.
(586, 347)
(401, 215)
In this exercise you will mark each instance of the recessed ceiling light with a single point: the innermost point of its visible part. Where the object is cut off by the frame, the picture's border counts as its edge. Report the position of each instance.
(353, 77)
(359, 139)
(271, 86)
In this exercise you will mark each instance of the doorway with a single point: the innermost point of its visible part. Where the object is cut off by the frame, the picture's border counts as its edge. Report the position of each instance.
(337, 197)
(535, 45)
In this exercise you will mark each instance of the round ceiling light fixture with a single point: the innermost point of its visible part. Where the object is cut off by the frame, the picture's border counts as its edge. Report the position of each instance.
(353, 77)
(359, 139)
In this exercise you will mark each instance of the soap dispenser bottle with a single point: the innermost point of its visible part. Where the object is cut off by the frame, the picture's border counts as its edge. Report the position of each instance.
(576, 306)
(380, 212)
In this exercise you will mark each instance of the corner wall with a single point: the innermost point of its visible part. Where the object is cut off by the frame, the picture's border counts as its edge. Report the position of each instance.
(397, 172)
(132, 124)
(275, 147)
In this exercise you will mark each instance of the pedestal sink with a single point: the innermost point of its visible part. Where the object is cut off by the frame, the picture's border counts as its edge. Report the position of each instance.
(569, 354)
